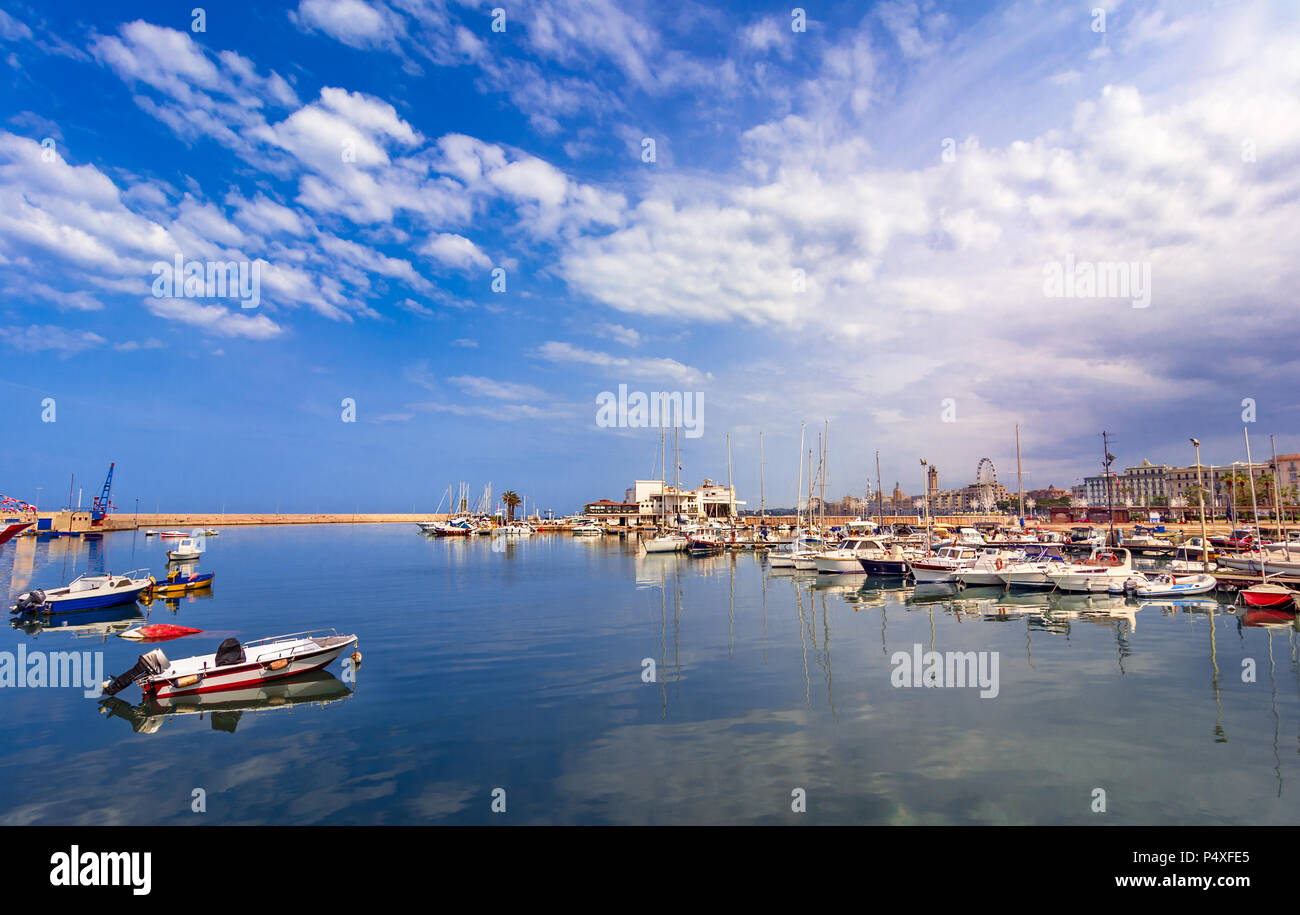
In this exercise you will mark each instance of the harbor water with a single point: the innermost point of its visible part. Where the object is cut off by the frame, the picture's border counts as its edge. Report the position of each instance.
(559, 679)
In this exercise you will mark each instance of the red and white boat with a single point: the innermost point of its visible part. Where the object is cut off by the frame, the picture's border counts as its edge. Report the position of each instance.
(233, 666)
(1268, 595)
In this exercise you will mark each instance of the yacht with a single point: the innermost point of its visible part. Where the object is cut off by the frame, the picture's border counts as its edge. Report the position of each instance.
(944, 565)
(1104, 568)
(988, 566)
(846, 558)
(1034, 571)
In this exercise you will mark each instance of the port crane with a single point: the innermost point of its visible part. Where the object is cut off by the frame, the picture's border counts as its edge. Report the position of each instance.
(102, 505)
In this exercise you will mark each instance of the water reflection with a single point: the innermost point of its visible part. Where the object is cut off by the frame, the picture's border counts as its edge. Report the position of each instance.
(316, 689)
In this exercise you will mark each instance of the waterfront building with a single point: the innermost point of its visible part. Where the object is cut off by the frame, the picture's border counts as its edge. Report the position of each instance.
(646, 500)
(1143, 484)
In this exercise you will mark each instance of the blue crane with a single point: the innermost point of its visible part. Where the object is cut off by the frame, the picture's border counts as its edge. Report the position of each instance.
(102, 506)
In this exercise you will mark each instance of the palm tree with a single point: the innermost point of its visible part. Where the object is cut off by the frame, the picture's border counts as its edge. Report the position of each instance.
(511, 501)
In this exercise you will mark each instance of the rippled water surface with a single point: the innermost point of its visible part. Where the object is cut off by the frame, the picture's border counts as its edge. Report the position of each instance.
(525, 669)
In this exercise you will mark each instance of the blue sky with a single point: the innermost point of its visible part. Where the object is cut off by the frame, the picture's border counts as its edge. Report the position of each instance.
(920, 163)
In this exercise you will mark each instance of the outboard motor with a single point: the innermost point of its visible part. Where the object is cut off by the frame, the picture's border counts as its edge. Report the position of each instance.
(151, 662)
(30, 602)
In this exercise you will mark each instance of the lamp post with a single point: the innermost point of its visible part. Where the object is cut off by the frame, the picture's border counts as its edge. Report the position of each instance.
(1200, 497)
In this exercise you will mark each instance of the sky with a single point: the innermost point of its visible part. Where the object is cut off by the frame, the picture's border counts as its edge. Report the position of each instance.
(470, 220)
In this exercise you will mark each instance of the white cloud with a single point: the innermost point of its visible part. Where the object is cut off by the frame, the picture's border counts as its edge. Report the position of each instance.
(456, 251)
(501, 390)
(40, 337)
(214, 319)
(656, 369)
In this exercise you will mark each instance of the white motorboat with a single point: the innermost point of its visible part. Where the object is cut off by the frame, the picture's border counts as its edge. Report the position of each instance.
(1097, 573)
(233, 666)
(515, 529)
(1177, 585)
(988, 566)
(943, 565)
(587, 529)
(847, 557)
(185, 551)
(1034, 571)
(85, 592)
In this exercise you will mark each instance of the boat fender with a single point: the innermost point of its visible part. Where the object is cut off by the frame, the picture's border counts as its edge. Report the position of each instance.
(356, 658)
(187, 681)
(278, 664)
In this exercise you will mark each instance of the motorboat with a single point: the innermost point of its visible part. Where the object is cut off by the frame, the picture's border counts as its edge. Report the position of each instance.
(85, 592)
(151, 533)
(703, 543)
(1177, 585)
(943, 566)
(187, 550)
(1268, 595)
(891, 561)
(514, 529)
(587, 529)
(1034, 570)
(1103, 568)
(988, 566)
(232, 666)
(172, 534)
(846, 558)
(13, 529)
(177, 583)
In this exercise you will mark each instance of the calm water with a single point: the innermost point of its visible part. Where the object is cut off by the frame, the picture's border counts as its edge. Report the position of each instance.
(522, 670)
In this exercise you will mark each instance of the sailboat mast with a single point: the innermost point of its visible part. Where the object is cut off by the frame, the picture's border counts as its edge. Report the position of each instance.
(798, 492)
(1277, 501)
(880, 496)
(762, 505)
(1020, 483)
(677, 477)
(731, 497)
(826, 445)
(1254, 508)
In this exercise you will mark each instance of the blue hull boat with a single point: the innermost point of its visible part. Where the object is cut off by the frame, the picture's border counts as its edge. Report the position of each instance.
(86, 592)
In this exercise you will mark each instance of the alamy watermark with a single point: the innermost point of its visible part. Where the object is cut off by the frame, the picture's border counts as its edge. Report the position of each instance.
(1098, 280)
(952, 669)
(25, 669)
(184, 279)
(639, 410)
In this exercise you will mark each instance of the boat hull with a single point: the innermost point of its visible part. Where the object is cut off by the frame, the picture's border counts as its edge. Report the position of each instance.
(885, 568)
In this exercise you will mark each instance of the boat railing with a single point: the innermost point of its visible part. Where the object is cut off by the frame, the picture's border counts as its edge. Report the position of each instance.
(292, 636)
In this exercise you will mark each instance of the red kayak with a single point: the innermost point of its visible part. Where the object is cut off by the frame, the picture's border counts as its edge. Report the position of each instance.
(157, 632)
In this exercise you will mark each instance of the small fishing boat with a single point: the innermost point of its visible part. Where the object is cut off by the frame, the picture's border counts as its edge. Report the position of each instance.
(233, 666)
(157, 632)
(177, 583)
(187, 549)
(171, 533)
(1176, 585)
(892, 562)
(151, 533)
(1268, 595)
(85, 592)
